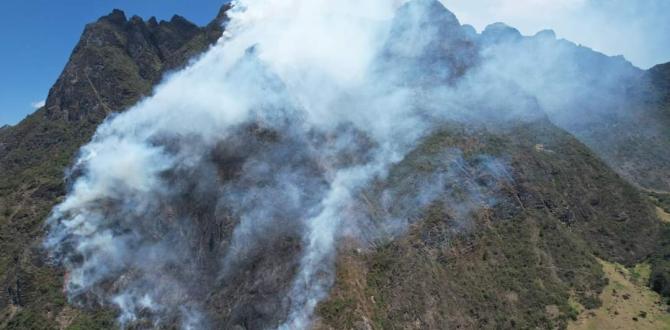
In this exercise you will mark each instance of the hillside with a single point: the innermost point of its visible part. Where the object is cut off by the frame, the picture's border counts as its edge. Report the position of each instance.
(616, 109)
(506, 213)
(659, 77)
(115, 64)
(521, 261)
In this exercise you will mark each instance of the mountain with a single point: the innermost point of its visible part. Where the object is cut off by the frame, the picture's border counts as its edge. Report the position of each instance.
(618, 110)
(659, 78)
(116, 63)
(511, 214)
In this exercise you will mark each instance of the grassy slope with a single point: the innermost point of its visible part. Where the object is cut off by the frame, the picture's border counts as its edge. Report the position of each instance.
(627, 302)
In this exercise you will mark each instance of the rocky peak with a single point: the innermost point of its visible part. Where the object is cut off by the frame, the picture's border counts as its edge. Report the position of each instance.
(546, 34)
(500, 32)
(117, 60)
(427, 33)
(181, 23)
(222, 16)
(152, 21)
(430, 12)
(216, 25)
(117, 17)
(425, 16)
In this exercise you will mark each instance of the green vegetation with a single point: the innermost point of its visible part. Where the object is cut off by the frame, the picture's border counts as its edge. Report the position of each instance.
(525, 262)
(96, 320)
(659, 279)
(626, 302)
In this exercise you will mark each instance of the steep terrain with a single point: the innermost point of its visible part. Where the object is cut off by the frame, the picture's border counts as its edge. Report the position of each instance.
(116, 63)
(520, 261)
(511, 238)
(660, 78)
(616, 109)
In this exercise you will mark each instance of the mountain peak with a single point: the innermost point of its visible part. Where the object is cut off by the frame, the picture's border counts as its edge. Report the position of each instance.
(117, 16)
(546, 34)
(428, 12)
(179, 19)
(222, 15)
(428, 35)
(498, 32)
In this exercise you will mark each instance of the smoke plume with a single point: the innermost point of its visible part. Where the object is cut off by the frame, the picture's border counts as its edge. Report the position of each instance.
(246, 168)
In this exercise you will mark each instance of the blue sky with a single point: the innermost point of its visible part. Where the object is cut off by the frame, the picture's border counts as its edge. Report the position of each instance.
(37, 36)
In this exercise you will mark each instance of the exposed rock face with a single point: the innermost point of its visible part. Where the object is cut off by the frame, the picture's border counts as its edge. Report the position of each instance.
(116, 62)
(424, 34)
(118, 58)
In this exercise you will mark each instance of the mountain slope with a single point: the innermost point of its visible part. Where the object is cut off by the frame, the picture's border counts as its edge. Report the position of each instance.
(659, 76)
(520, 262)
(116, 62)
(616, 109)
(511, 241)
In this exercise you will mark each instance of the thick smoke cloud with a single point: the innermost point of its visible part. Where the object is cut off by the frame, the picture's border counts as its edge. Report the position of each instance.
(273, 107)
(636, 29)
(281, 141)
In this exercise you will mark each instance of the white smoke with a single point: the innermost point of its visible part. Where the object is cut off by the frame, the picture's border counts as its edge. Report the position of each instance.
(280, 60)
(282, 125)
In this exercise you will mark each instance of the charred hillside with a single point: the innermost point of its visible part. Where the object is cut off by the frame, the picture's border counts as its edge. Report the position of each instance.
(254, 190)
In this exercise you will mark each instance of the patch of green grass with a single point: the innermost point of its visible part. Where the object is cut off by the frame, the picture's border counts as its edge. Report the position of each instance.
(641, 273)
